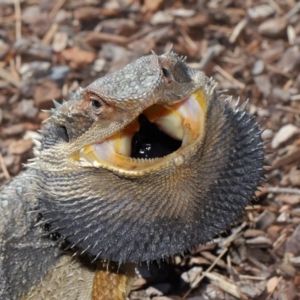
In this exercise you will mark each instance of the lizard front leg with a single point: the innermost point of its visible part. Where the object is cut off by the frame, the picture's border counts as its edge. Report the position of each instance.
(79, 279)
(112, 282)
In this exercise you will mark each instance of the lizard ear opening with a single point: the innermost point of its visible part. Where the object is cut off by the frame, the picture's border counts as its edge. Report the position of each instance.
(64, 133)
(165, 72)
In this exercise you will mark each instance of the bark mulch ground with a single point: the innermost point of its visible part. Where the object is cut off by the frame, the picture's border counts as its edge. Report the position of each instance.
(50, 48)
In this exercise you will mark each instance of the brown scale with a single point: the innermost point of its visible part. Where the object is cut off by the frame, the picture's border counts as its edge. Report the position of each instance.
(111, 283)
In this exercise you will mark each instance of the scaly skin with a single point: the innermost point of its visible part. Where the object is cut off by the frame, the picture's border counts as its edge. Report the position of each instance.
(113, 211)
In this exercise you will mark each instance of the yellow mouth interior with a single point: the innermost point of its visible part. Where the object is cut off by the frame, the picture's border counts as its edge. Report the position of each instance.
(184, 121)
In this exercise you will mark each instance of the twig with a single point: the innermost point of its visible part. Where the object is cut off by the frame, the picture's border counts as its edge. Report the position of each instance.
(291, 35)
(257, 263)
(234, 235)
(237, 30)
(227, 242)
(293, 11)
(288, 84)
(196, 282)
(49, 34)
(278, 71)
(294, 213)
(273, 288)
(9, 78)
(228, 76)
(3, 167)
(13, 69)
(281, 239)
(229, 266)
(226, 30)
(288, 109)
(252, 277)
(253, 207)
(226, 286)
(295, 97)
(188, 40)
(279, 190)
(103, 37)
(275, 6)
(210, 54)
(143, 32)
(59, 4)
(286, 160)
(18, 29)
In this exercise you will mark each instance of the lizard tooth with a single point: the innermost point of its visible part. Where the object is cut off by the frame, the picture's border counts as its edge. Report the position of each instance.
(104, 150)
(123, 139)
(193, 115)
(167, 119)
(171, 124)
(123, 144)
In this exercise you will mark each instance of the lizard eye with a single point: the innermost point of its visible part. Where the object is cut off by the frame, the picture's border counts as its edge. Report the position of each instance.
(95, 103)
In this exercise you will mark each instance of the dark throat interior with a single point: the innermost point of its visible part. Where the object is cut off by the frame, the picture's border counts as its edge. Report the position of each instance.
(150, 142)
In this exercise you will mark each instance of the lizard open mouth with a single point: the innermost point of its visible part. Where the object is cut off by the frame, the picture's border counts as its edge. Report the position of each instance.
(158, 133)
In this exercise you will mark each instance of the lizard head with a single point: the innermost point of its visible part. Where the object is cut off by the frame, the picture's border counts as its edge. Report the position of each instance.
(147, 162)
(105, 122)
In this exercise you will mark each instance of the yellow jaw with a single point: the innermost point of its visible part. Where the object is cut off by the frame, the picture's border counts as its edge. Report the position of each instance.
(184, 121)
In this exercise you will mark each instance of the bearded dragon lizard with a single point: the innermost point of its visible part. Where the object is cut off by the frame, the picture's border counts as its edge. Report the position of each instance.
(140, 165)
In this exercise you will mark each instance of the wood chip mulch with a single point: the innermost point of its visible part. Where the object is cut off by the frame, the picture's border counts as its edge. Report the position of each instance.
(50, 48)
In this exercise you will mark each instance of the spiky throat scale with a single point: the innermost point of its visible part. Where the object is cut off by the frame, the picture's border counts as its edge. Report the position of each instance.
(168, 210)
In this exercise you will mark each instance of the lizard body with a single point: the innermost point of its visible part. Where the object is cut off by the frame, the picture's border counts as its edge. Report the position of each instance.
(109, 189)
